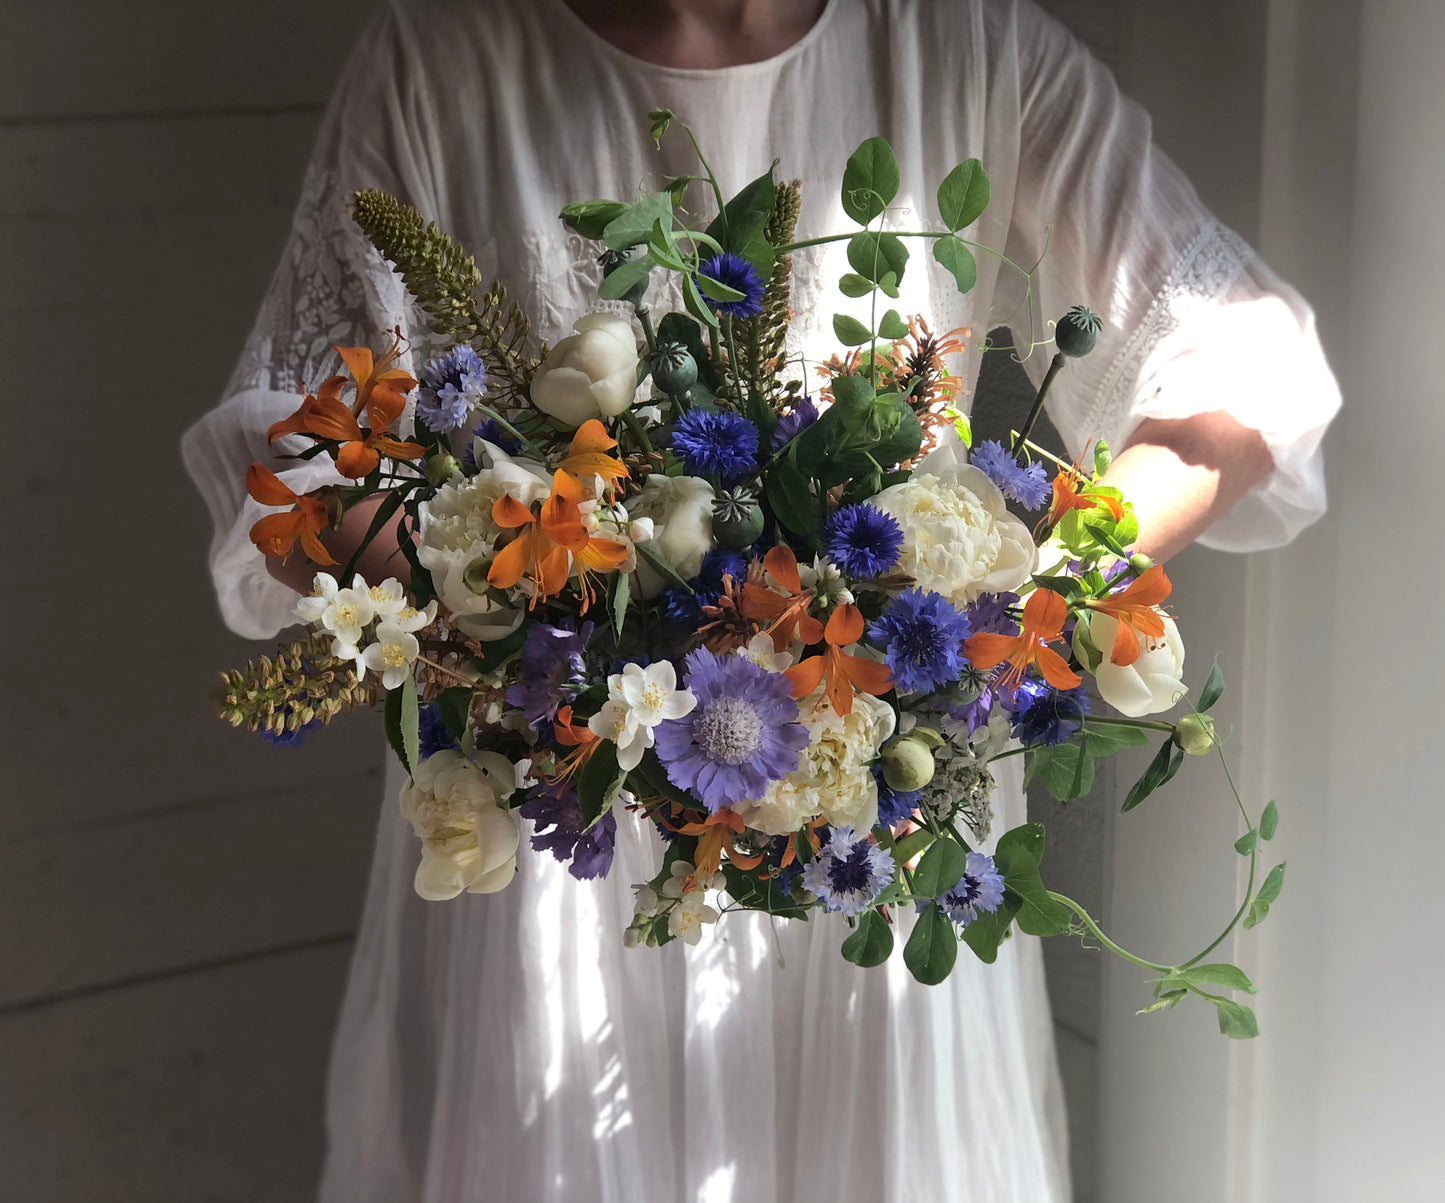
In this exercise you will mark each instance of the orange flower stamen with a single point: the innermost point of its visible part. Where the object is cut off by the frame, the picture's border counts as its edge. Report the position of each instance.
(1043, 622)
(839, 672)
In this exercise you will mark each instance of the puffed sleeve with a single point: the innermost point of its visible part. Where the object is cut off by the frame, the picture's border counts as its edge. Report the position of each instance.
(1194, 320)
(330, 288)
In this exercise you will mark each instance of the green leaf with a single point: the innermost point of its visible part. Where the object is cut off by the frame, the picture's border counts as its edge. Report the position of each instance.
(659, 564)
(932, 946)
(599, 782)
(622, 280)
(497, 652)
(1258, 911)
(957, 260)
(657, 122)
(1269, 892)
(871, 942)
(634, 224)
(1231, 977)
(1213, 688)
(988, 931)
(658, 782)
(716, 290)
(939, 869)
(1165, 764)
(790, 498)
(693, 301)
(850, 331)
(411, 725)
(911, 845)
(1067, 587)
(590, 218)
(1268, 821)
(891, 326)
(1106, 740)
(621, 592)
(1065, 770)
(874, 256)
(1167, 1000)
(454, 705)
(1246, 843)
(391, 721)
(963, 195)
(1017, 856)
(870, 180)
(742, 225)
(853, 285)
(383, 513)
(1236, 1020)
(765, 895)
(662, 246)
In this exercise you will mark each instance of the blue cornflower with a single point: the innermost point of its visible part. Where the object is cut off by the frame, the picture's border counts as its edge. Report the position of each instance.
(685, 608)
(558, 818)
(553, 670)
(978, 891)
(681, 607)
(863, 541)
(716, 443)
(922, 636)
(1043, 715)
(849, 872)
(743, 733)
(1026, 484)
(894, 805)
(432, 733)
(451, 385)
(794, 422)
(737, 273)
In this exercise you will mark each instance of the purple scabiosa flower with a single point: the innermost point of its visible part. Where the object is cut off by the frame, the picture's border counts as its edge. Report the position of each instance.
(743, 733)
(922, 636)
(849, 872)
(1026, 484)
(737, 273)
(716, 443)
(558, 818)
(863, 541)
(894, 805)
(990, 612)
(553, 670)
(432, 733)
(978, 891)
(451, 385)
(794, 422)
(1042, 715)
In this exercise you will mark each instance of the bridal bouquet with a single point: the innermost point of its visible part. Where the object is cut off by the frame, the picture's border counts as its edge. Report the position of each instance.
(656, 581)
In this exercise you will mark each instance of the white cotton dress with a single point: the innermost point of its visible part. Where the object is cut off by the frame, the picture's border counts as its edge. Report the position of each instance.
(508, 1047)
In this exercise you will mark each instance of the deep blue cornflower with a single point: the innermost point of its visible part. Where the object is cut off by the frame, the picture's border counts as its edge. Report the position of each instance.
(894, 805)
(737, 273)
(716, 443)
(794, 422)
(863, 541)
(978, 891)
(451, 385)
(849, 872)
(553, 670)
(1028, 484)
(558, 819)
(922, 636)
(990, 612)
(432, 733)
(685, 608)
(681, 607)
(1043, 715)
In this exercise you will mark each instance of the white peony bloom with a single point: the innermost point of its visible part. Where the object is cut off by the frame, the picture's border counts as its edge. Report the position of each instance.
(589, 373)
(323, 592)
(680, 510)
(958, 537)
(391, 655)
(468, 841)
(637, 700)
(1153, 683)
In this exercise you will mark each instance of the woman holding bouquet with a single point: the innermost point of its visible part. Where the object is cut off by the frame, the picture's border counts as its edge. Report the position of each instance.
(508, 1047)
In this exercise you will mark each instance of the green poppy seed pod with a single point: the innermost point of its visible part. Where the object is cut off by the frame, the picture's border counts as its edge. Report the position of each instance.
(737, 519)
(441, 467)
(1139, 563)
(1195, 733)
(611, 261)
(475, 576)
(674, 370)
(1077, 332)
(1103, 458)
(907, 763)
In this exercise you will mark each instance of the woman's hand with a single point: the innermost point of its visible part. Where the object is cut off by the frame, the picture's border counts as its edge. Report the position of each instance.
(381, 559)
(1182, 474)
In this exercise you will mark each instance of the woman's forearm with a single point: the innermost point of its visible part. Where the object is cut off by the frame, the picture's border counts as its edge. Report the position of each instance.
(1182, 474)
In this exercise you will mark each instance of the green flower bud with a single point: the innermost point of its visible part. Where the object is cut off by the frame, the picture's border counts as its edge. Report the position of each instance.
(441, 467)
(1077, 332)
(928, 735)
(907, 763)
(674, 370)
(1195, 733)
(1103, 458)
(611, 261)
(1139, 563)
(1085, 649)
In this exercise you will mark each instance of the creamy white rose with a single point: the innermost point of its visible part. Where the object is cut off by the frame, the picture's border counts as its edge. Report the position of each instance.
(1153, 683)
(588, 373)
(958, 537)
(680, 510)
(468, 841)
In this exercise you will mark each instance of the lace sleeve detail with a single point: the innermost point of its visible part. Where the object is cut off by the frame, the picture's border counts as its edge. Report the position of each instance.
(1204, 272)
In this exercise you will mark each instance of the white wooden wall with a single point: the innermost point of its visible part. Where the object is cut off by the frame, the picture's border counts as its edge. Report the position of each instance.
(177, 899)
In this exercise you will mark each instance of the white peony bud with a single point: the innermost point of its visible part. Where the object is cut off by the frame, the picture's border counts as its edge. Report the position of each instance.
(590, 373)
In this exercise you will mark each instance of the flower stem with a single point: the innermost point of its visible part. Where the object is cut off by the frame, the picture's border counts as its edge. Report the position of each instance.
(1098, 933)
(634, 428)
(1143, 724)
(1055, 367)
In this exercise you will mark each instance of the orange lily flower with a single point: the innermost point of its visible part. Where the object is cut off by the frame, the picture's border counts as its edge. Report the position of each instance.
(587, 456)
(1043, 622)
(1068, 496)
(577, 737)
(786, 615)
(840, 672)
(276, 534)
(1136, 610)
(551, 537)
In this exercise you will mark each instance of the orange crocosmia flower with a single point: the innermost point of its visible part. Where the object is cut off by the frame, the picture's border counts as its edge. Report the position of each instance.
(1043, 622)
(786, 614)
(587, 456)
(1137, 611)
(838, 671)
(551, 537)
(276, 534)
(1068, 496)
